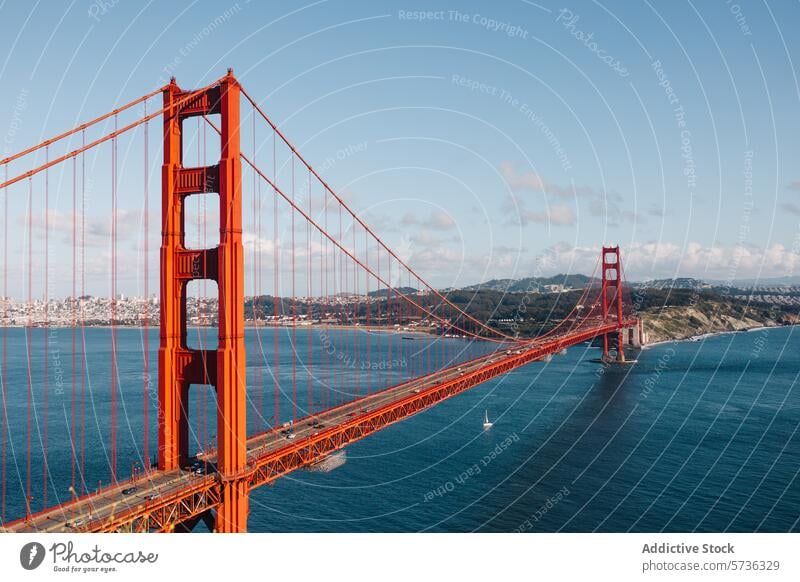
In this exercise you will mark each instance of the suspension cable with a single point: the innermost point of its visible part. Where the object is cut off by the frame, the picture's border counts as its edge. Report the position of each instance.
(362, 223)
(338, 245)
(105, 138)
(81, 127)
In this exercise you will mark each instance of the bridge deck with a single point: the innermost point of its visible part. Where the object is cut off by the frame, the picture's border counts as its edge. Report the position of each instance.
(163, 498)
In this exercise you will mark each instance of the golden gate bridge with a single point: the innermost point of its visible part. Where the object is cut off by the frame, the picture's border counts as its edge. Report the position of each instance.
(337, 272)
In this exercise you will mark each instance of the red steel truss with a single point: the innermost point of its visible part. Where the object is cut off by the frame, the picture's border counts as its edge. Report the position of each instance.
(201, 495)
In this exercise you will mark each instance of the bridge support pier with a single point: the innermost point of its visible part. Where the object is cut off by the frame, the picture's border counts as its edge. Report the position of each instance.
(614, 347)
(641, 333)
(635, 336)
(232, 513)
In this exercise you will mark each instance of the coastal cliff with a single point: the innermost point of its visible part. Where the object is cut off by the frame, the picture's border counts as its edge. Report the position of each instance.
(676, 322)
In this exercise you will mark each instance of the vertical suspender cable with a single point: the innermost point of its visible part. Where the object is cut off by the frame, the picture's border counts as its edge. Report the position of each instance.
(368, 307)
(309, 307)
(29, 346)
(276, 290)
(46, 339)
(114, 306)
(325, 313)
(204, 441)
(294, 317)
(400, 307)
(390, 313)
(378, 301)
(4, 378)
(321, 303)
(257, 308)
(429, 343)
(340, 303)
(258, 389)
(410, 350)
(82, 314)
(259, 338)
(74, 307)
(354, 303)
(146, 291)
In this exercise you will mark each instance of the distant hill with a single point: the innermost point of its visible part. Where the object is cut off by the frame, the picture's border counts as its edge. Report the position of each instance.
(765, 282)
(676, 283)
(531, 284)
(681, 314)
(403, 290)
(693, 283)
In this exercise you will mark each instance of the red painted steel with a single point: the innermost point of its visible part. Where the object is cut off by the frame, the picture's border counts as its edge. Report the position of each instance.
(179, 366)
(612, 283)
(179, 500)
(200, 494)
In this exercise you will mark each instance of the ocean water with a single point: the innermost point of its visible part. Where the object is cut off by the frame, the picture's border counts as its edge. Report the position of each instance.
(696, 436)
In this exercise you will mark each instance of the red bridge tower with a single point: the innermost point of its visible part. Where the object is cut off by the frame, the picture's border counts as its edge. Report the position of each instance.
(611, 297)
(180, 367)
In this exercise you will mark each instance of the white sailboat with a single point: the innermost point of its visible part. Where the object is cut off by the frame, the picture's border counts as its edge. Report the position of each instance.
(486, 423)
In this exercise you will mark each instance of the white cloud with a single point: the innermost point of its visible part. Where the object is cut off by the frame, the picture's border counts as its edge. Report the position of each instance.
(606, 204)
(518, 213)
(533, 182)
(646, 260)
(556, 214)
(97, 229)
(791, 208)
(437, 220)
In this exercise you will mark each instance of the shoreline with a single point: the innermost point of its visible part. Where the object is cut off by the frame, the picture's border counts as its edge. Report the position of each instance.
(370, 329)
(701, 337)
(374, 329)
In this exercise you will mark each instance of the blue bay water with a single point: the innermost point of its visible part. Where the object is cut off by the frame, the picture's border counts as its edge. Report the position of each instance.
(695, 436)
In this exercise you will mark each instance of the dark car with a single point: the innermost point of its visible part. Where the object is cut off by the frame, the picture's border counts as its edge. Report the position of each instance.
(129, 490)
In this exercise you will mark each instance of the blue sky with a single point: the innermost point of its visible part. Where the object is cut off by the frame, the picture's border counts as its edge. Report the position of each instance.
(482, 139)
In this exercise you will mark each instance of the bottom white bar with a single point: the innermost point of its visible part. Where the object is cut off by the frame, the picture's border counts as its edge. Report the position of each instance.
(334, 557)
